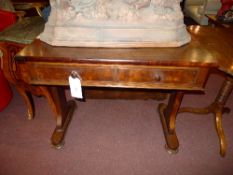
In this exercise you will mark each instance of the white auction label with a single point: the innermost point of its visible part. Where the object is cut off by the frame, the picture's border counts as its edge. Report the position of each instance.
(75, 87)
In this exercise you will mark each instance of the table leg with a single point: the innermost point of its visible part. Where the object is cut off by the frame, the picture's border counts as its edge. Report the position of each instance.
(28, 100)
(63, 112)
(26, 92)
(217, 108)
(7, 53)
(168, 115)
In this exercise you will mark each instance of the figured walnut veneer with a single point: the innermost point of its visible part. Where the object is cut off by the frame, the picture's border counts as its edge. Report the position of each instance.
(176, 69)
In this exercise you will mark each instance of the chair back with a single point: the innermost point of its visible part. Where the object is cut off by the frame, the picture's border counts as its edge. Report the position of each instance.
(7, 5)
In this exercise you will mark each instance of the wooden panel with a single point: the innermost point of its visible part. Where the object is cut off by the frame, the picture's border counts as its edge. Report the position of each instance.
(104, 75)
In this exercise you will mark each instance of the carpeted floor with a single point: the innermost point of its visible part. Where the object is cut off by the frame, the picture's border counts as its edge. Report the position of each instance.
(114, 137)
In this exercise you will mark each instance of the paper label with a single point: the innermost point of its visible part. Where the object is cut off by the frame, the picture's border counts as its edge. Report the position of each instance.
(75, 87)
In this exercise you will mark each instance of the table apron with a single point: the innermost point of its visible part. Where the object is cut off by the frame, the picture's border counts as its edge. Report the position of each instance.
(114, 75)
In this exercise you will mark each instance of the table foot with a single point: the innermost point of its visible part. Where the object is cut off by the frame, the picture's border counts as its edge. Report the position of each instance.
(220, 132)
(57, 139)
(217, 110)
(171, 151)
(172, 143)
(29, 102)
(58, 146)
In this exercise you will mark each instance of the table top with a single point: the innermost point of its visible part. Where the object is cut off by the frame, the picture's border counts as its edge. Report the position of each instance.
(193, 54)
(209, 47)
(218, 41)
(183, 68)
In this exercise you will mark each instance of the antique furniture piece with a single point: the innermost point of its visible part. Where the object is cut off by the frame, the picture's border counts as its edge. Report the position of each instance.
(177, 69)
(23, 33)
(7, 5)
(115, 23)
(20, 7)
(198, 9)
(220, 43)
(23, 5)
(12, 40)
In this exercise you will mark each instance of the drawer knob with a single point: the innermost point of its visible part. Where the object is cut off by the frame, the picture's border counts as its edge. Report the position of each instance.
(75, 74)
(158, 77)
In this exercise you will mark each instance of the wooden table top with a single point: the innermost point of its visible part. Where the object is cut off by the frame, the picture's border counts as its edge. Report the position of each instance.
(219, 42)
(208, 46)
(192, 54)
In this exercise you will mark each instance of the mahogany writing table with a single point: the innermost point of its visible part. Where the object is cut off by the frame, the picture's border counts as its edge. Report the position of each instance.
(175, 69)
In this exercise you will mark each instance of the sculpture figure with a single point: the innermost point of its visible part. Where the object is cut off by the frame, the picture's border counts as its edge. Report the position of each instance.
(115, 23)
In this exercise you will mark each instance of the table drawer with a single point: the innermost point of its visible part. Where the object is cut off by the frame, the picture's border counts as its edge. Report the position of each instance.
(104, 75)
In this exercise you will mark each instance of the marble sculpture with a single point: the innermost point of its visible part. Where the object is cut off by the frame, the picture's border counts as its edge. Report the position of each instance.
(115, 23)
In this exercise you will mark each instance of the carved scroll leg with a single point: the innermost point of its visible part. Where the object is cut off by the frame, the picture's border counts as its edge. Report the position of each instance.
(217, 108)
(220, 132)
(168, 119)
(63, 112)
(217, 111)
(28, 100)
(221, 100)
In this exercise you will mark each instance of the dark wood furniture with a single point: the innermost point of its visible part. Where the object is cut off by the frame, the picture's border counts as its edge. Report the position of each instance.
(12, 40)
(219, 41)
(38, 5)
(177, 69)
(16, 37)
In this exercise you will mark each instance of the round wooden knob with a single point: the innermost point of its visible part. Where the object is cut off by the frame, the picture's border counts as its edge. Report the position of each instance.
(157, 77)
(75, 74)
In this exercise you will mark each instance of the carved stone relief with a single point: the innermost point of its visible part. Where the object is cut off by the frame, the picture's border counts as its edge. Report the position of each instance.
(116, 23)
